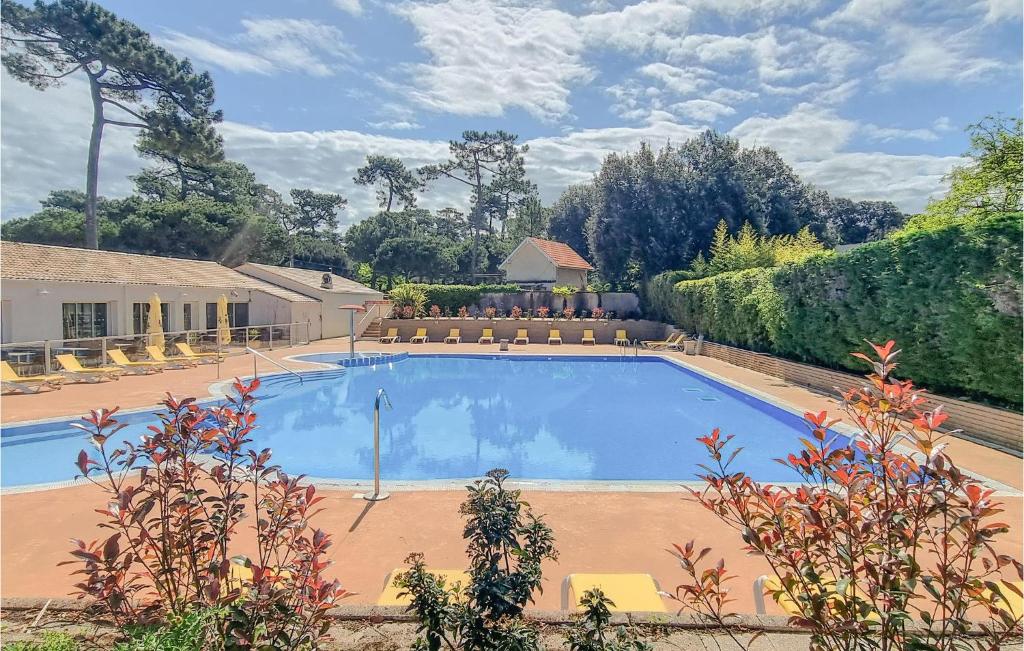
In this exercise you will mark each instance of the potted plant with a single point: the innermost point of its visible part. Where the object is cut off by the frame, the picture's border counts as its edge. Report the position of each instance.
(597, 313)
(517, 312)
(568, 313)
(463, 312)
(435, 312)
(542, 312)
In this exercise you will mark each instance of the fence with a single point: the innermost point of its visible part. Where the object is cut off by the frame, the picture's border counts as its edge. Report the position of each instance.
(35, 357)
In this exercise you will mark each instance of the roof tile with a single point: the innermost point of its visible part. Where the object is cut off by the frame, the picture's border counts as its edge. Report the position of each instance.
(561, 254)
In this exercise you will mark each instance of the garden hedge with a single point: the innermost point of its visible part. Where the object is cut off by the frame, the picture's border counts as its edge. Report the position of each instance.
(452, 297)
(949, 295)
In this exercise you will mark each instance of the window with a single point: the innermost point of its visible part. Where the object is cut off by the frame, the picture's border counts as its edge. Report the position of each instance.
(238, 315)
(187, 316)
(85, 320)
(140, 317)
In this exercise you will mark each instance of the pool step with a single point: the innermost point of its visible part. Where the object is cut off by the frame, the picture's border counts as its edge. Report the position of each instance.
(372, 332)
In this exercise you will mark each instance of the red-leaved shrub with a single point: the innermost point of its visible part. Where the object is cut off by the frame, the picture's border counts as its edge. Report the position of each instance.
(542, 312)
(175, 501)
(886, 544)
(435, 311)
(517, 312)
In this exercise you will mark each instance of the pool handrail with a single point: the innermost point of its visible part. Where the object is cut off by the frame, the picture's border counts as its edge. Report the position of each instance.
(256, 353)
(377, 495)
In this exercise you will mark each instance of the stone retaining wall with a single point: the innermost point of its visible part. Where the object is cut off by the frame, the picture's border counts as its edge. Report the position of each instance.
(537, 329)
(994, 427)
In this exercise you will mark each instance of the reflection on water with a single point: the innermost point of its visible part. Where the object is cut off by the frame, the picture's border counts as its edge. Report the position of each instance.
(458, 417)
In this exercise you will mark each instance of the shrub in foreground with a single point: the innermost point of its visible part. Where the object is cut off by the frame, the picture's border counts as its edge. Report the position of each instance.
(506, 545)
(174, 504)
(885, 545)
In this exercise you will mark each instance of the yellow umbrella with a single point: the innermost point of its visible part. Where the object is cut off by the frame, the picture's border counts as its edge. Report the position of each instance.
(223, 327)
(155, 328)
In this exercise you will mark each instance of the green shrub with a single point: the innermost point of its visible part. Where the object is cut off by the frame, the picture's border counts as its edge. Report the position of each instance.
(196, 631)
(452, 297)
(409, 299)
(950, 292)
(49, 641)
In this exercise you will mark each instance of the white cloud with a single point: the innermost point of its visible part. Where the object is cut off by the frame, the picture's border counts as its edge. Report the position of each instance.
(996, 10)
(268, 45)
(933, 55)
(210, 53)
(351, 6)
(684, 81)
(637, 27)
(485, 58)
(298, 44)
(808, 132)
(395, 125)
(702, 110)
(887, 134)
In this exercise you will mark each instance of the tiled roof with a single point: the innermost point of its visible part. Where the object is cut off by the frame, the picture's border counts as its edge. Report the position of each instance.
(313, 278)
(19, 261)
(561, 254)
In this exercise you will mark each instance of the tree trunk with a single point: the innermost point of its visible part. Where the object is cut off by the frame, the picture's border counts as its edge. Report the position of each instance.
(92, 168)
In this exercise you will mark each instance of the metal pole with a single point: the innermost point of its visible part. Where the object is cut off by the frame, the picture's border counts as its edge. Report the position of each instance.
(377, 495)
(352, 335)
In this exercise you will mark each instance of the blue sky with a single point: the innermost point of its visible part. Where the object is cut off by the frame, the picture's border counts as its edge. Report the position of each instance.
(866, 98)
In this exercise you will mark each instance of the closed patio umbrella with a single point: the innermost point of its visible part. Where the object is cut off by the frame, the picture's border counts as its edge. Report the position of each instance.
(223, 326)
(155, 327)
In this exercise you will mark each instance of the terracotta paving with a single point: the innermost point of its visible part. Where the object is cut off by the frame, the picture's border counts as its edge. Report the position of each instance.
(603, 531)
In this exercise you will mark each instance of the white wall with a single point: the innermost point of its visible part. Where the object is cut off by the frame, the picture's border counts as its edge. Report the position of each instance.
(527, 264)
(266, 308)
(573, 277)
(334, 322)
(30, 315)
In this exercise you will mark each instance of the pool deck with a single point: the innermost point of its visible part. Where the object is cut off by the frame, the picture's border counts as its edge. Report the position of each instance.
(610, 531)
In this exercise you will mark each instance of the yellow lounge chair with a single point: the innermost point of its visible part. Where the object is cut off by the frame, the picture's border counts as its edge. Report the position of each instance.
(391, 337)
(588, 337)
(389, 597)
(120, 359)
(656, 345)
(201, 358)
(14, 383)
(554, 335)
(770, 584)
(632, 593)
(521, 336)
(420, 337)
(171, 362)
(454, 337)
(620, 338)
(487, 337)
(75, 371)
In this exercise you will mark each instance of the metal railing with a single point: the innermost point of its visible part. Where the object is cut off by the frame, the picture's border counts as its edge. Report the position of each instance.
(34, 357)
(256, 353)
(374, 312)
(377, 495)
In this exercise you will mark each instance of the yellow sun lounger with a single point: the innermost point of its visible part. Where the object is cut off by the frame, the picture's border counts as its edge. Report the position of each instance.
(201, 358)
(620, 338)
(770, 584)
(454, 337)
(120, 359)
(171, 362)
(632, 593)
(14, 383)
(420, 337)
(554, 336)
(75, 371)
(521, 336)
(391, 337)
(487, 337)
(389, 597)
(671, 341)
(588, 337)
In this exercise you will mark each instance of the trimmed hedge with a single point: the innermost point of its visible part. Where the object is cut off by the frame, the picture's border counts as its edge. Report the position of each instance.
(452, 297)
(949, 295)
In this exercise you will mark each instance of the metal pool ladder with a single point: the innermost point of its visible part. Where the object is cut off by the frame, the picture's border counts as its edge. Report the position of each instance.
(377, 495)
(256, 354)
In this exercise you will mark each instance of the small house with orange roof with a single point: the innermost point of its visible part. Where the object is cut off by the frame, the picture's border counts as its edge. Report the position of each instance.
(542, 264)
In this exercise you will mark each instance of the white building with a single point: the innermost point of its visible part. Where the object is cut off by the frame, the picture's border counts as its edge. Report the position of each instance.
(541, 264)
(331, 290)
(55, 293)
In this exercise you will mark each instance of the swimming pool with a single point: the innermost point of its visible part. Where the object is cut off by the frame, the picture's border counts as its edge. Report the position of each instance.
(456, 416)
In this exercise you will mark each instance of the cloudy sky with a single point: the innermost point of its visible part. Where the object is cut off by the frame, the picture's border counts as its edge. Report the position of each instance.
(866, 98)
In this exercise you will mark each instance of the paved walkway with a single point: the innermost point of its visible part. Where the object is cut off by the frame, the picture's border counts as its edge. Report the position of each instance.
(607, 531)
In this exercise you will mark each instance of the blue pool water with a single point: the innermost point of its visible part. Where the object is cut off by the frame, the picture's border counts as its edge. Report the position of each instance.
(454, 417)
